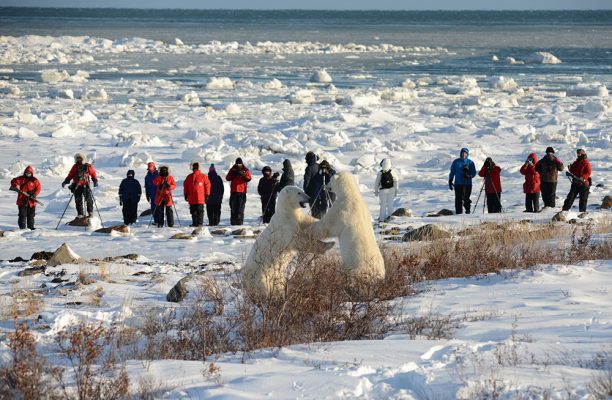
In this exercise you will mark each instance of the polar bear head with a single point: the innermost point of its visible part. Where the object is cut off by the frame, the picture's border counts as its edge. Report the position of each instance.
(292, 197)
(344, 185)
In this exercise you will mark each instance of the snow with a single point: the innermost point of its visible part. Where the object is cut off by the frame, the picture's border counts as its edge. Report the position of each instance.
(541, 57)
(267, 112)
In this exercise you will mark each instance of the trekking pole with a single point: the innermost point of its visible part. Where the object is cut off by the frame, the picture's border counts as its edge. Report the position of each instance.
(95, 204)
(152, 215)
(268, 203)
(478, 198)
(62, 217)
(501, 209)
(176, 212)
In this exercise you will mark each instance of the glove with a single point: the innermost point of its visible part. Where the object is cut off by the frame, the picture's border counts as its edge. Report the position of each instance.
(120, 202)
(148, 199)
(450, 185)
(275, 175)
(206, 199)
(14, 189)
(95, 183)
(63, 185)
(567, 173)
(186, 198)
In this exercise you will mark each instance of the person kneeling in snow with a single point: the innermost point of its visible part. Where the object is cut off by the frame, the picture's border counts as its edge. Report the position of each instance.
(491, 173)
(197, 191)
(81, 174)
(27, 187)
(165, 184)
(129, 196)
(386, 189)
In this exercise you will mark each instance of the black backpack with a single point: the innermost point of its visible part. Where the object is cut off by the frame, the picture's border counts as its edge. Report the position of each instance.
(386, 180)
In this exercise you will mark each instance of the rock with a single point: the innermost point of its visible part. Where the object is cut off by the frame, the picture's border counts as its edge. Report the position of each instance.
(560, 217)
(178, 292)
(117, 228)
(606, 203)
(42, 255)
(393, 231)
(63, 255)
(131, 256)
(79, 221)
(427, 232)
(240, 232)
(601, 185)
(85, 279)
(402, 212)
(583, 215)
(17, 259)
(441, 213)
(219, 231)
(146, 212)
(32, 271)
(183, 236)
(201, 231)
(1, 233)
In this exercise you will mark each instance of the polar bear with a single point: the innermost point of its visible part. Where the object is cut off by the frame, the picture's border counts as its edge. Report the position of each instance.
(288, 232)
(350, 221)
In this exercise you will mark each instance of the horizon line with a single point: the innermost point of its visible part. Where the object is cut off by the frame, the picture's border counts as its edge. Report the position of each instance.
(310, 9)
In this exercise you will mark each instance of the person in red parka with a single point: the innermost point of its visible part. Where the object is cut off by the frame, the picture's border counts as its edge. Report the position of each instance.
(197, 191)
(28, 188)
(531, 187)
(580, 174)
(491, 172)
(81, 174)
(165, 184)
(239, 176)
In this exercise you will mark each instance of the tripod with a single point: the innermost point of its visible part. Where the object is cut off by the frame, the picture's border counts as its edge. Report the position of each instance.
(328, 200)
(490, 178)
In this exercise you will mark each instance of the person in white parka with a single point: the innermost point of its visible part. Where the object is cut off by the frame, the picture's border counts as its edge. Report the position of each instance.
(386, 189)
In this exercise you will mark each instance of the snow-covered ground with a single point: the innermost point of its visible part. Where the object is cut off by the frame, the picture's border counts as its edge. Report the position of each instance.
(550, 323)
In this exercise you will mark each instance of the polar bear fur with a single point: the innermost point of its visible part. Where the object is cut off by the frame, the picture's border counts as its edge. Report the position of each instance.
(350, 221)
(289, 231)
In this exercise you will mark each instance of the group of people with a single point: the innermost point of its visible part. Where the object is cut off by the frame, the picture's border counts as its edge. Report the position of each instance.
(205, 191)
(541, 177)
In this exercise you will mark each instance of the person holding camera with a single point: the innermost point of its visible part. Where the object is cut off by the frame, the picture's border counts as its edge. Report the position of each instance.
(386, 189)
(267, 192)
(239, 176)
(323, 198)
(28, 188)
(81, 174)
(462, 170)
(165, 184)
(548, 167)
(580, 174)
(531, 187)
(492, 176)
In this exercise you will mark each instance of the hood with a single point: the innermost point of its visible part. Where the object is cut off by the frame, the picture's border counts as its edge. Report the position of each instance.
(80, 155)
(29, 169)
(130, 173)
(385, 164)
(311, 158)
(151, 165)
(212, 172)
(466, 150)
(287, 165)
(535, 158)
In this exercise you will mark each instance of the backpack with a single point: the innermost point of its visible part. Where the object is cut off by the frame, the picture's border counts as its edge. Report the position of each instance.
(386, 180)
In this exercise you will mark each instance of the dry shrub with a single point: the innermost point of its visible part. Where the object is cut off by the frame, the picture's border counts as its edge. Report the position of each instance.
(601, 385)
(90, 351)
(27, 375)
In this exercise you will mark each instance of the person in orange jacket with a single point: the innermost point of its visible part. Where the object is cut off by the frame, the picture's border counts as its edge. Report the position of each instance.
(239, 176)
(531, 187)
(197, 191)
(165, 184)
(81, 174)
(27, 187)
(580, 174)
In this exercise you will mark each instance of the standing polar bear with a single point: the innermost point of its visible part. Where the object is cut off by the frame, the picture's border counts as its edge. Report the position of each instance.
(349, 220)
(289, 231)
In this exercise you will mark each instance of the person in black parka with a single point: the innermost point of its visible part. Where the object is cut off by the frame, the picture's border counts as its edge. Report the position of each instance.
(267, 191)
(213, 205)
(312, 170)
(129, 196)
(287, 178)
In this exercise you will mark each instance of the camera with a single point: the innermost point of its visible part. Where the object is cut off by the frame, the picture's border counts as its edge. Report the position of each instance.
(466, 172)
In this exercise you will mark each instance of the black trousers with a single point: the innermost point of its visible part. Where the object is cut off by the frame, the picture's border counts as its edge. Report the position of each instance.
(159, 215)
(462, 198)
(494, 203)
(79, 193)
(237, 202)
(577, 190)
(268, 211)
(214, 214)
(197, 214)
(532, 202)
(130, 212)
(26, 217)
(549, 192)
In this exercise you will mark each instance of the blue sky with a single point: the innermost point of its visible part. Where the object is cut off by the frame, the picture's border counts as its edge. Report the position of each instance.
(327, 4)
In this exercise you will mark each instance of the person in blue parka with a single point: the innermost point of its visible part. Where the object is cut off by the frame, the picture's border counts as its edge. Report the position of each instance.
(129, 196)
(150, 188)
(462, 171)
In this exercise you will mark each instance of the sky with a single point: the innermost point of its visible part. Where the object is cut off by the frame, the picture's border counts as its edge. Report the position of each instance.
(326, 4)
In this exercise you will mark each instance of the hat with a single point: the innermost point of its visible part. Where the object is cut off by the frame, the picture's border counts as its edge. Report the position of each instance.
(550, 150)
(266, 168)
(131, 173)
(239, 161)
(195, 166)
(151, 166)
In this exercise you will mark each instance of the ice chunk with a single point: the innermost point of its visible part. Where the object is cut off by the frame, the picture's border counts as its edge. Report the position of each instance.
(219, 83)
(588, 89)
(542, 57)
(320, 76)
(54, 76)
(502, 83)
(64, 131)
(273, 84)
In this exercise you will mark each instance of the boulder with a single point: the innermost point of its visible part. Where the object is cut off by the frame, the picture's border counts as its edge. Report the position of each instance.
(402, 212)
(427, 232)
(1, 233)
(393, 231)
(64, 255)
(42, 255)
(441, 213)
(124, 229)
(559, 217)
(201, 231)
(32, 271)
(146, 212)
(240, 232)
(220, 231)
(178, 292)
(79, 221)
(606, 204)
(583, 215)
(130, 256)
(182, 236)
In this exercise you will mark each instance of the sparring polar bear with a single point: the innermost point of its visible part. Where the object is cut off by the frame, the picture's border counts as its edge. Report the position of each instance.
(349, 220)
(288, 232)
